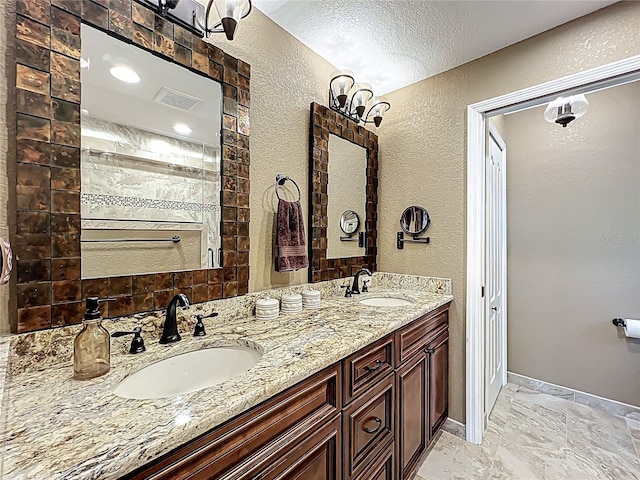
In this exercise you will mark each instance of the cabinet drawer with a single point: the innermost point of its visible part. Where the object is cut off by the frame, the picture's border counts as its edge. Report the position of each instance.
(414, 337)
(368, 426)
(255, 434)
(367, 366)
(382, 468)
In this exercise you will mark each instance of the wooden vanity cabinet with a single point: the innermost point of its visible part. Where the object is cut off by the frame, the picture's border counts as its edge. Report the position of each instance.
(369, 417)
(422, 378)
(248, 444)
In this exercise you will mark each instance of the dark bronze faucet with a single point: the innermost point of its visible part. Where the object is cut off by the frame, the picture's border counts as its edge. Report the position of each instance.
(355, 289)
(170, 331)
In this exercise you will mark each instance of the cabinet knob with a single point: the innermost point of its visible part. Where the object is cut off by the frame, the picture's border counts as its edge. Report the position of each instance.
(430, 351)
(374, 430)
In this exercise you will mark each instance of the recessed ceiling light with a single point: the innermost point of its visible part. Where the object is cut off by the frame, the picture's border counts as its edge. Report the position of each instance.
(125, 74)
(182, 129)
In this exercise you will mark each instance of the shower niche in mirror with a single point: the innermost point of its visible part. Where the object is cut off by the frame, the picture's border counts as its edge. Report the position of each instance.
(343, 196)
(100, 194)
(150, 162)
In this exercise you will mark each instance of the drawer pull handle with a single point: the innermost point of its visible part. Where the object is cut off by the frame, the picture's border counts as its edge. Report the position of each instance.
(430, 351)
(379, 363)
(372, 431)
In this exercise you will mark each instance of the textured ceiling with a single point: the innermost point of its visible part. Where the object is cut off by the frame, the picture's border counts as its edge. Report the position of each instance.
(391, 44)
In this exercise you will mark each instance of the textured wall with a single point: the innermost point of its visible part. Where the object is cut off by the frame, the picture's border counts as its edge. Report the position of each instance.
(286, 77)
(422, 142)
(573, 237)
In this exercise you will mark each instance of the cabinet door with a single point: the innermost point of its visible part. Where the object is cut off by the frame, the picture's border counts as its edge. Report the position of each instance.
(438, 352)
(413, 415)
(382, 468)
(318, 457)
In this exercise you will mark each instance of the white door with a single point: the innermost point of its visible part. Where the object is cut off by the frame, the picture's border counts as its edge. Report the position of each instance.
(495, 270)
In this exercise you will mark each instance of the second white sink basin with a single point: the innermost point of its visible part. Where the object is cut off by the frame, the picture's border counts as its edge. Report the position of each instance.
(188, 372)
(385, 302)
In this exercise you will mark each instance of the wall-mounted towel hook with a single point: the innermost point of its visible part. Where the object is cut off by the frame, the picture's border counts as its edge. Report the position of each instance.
(280, 180)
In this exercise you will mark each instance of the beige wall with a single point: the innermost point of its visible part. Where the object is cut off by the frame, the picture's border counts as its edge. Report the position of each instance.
(422, 143)
(286, 77)
(573, 223)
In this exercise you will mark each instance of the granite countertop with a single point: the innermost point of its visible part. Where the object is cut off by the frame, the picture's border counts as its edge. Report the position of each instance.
(54, 427)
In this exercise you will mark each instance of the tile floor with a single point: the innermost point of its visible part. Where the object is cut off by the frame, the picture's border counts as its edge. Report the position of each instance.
(537, 436)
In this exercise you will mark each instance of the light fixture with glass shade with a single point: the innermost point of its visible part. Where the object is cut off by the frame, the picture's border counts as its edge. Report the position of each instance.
(196, 18)
(564, 110)
(352, 99)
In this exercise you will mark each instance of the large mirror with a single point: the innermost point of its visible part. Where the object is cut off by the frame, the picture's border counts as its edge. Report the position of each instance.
(150, 162)
(110, 172)
(346, 192)
(344, 177)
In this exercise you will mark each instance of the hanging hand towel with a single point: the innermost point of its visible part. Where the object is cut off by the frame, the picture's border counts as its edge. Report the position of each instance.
(291, 253)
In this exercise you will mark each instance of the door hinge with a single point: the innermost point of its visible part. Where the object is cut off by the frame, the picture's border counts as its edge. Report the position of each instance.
(483, 291)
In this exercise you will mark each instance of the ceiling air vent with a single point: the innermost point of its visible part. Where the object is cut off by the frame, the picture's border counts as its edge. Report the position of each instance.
(175, 99)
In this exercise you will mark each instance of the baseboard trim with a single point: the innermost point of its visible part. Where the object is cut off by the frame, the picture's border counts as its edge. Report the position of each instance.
(455, 428)
(601, 403)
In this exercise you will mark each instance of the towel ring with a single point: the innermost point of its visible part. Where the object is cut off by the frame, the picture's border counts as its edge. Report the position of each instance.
(280, 180)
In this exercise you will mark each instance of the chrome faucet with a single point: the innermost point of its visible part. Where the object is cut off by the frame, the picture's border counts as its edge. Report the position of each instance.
(170, 331)
(356, 280)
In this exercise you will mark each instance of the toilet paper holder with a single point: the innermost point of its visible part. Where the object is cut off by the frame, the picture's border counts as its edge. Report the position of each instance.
(619, 322)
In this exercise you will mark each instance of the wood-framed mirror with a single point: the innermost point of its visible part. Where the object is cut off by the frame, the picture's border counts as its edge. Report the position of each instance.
(49, 285)
(324, 124)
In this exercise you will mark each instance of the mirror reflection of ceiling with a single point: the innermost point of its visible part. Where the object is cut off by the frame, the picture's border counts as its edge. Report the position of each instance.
(135, 104)
(394, 44)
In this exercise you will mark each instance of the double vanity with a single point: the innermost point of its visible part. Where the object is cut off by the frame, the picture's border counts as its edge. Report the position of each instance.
(353, 389)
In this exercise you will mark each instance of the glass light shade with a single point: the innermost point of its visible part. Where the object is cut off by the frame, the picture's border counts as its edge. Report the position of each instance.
(230, 12)
(379, 106)
(340, 84)
(566, 109)
(361, 95)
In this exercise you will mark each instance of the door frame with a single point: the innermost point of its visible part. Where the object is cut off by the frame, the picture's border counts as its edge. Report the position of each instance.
(495, 133)
(615, 73)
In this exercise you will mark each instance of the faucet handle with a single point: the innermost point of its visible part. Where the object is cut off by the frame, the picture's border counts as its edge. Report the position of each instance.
(347, 294)
(365, 289)
(137, 343)
(199, 330)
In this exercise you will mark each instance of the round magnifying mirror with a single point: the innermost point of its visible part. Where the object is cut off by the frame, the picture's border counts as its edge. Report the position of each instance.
(414, 220)
(349, 222)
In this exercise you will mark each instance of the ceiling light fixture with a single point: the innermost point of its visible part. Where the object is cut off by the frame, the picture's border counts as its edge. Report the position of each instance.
(352, 99)
(565, 110)
(125, 74)
(182, 129)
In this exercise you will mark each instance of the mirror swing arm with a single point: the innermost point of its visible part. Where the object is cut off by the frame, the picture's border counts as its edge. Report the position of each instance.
(414, 221)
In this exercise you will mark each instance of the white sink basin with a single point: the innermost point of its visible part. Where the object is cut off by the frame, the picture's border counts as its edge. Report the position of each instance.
(385, 302)
(188, 372)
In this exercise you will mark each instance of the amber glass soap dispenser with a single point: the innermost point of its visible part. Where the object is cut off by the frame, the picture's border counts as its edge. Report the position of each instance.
(91, 348)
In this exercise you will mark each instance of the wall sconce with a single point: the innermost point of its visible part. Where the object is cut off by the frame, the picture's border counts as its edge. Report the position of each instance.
(195, 17)
(565, 110)
(351, 99)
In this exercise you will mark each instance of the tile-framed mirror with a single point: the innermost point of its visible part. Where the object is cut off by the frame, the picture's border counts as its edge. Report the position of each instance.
(50, 286)
(324, 125)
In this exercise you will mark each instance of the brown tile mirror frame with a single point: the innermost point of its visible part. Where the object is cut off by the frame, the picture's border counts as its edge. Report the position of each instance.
(324, 122)
(46, 239)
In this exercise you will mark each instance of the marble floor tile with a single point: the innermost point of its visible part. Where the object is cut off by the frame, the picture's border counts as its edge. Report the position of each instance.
(529, 462)
(551, 402)
(531, 436)
(609, 406)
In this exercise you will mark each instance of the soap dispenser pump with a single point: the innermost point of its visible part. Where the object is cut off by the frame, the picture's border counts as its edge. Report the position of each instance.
(91, 347)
